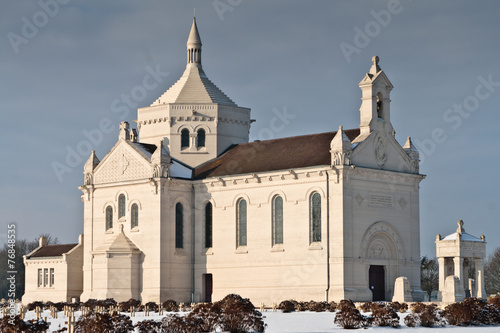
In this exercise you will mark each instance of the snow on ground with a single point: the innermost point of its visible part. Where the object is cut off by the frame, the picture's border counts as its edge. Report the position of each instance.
(295, 322)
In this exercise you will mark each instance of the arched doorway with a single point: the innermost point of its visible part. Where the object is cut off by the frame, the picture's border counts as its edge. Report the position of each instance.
(381, 248)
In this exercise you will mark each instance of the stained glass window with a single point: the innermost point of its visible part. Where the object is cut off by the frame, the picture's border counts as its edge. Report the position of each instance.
(277, 220)
(179, 225)
(315, 218)
(242, 223)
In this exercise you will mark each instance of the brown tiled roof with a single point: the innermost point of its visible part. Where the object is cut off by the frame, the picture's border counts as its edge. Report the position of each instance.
(53, 250)
(278, 154)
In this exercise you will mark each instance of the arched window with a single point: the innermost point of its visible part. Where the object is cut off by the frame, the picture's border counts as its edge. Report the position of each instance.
(121, 205)
(208, 225)
(201, 137)
(315, 218)
(179, 225)
(184, 138)
(277, 220)
(134, 213)
(109, 217)
(241, 225)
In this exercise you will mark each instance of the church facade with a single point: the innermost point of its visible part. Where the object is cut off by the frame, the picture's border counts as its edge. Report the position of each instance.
(185, 208)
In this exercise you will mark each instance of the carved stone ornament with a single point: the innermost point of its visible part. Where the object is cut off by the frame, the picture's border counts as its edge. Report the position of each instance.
(341, 158)
(380, 150)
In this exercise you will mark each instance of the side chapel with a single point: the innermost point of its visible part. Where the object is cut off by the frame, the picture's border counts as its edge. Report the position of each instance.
(183, 207)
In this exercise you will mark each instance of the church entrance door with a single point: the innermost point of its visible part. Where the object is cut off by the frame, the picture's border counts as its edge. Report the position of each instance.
(207, 287)
(377, 282)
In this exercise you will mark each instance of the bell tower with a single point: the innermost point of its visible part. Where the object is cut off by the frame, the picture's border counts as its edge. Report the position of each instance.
(375, 110)
(194, 119)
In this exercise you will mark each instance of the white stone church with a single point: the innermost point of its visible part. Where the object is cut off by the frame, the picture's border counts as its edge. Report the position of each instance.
(185, 208)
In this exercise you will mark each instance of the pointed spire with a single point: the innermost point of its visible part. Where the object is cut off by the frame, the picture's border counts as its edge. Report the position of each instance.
(194, 45)
(340, 148)
(91, 163)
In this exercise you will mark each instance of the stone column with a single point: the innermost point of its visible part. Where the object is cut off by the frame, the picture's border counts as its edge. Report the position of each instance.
(442, 274)
(459, 271)
(481, 293)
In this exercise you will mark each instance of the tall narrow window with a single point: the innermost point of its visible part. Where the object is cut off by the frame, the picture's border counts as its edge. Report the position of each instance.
(201, 138)
(121, 205)
(109, 217)
(134, 213)
(184, 138)
(208, 225)
(277, 220)
(40, 277)
(179, 224)
(315, 218)
(51, 277)
(241, 223)
(45, 277)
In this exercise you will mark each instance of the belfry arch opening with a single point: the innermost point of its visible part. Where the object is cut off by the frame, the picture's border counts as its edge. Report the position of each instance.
(380, 106)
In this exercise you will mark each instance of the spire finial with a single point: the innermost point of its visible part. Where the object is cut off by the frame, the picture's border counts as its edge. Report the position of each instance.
(460, 228)
(194, 45)
(375, 67)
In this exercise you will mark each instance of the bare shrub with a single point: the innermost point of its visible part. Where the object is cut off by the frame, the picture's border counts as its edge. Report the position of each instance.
(495, 300)
(148, 326)
(430, 316)
(173, 323)
(374, 306)
(345, 303)
(286, 306)
(127, 305)
(104, 323)
(366, 306)
(385, 316)
(302, 306)
(32, 306)
(410, 320)
(350, 318)
(170, 306)
(399, 307)
(317, 306)
(332, 306)
(206, 315)
(418, 307)
(238, 315)
(472, 311)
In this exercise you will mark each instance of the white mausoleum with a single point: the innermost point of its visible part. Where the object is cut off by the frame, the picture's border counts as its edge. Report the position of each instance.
(186, 208)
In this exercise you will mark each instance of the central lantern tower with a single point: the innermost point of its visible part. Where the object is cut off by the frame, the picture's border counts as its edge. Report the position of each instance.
(194, 118)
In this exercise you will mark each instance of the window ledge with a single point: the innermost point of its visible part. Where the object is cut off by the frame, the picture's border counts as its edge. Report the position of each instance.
(241, 250)
(315, 246)
(278, 248)
(122, 219)
(134, 229)
(187, 151)
(110, 231)
(180, 252)
(208, 252)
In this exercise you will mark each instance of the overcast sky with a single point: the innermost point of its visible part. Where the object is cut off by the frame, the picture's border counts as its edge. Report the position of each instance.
(64, 73)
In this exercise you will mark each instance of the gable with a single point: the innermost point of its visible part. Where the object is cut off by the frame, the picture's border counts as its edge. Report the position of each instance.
(381, 151)
(123, 163)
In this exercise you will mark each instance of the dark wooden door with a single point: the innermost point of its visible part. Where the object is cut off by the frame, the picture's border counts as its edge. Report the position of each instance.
(207, 287)
(377, 282)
